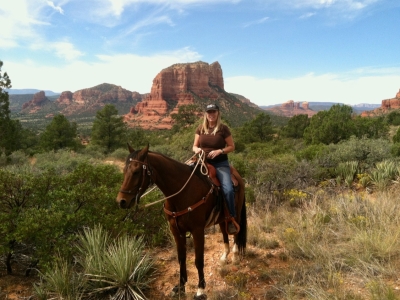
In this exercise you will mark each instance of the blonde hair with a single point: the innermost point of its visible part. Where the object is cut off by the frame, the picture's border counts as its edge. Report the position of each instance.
(206, 127)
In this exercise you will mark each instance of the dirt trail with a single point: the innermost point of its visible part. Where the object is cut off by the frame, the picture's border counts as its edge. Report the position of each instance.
(248, 277)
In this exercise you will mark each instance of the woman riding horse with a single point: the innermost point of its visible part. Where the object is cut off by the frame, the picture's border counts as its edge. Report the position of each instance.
(191, 205)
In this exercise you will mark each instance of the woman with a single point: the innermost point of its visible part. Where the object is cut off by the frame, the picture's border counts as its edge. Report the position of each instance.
(215, 139)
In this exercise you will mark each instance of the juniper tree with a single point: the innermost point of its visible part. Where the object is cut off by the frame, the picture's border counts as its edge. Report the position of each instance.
(109, 129)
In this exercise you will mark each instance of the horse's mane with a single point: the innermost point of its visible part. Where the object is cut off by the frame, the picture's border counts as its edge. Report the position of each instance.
(184, 166)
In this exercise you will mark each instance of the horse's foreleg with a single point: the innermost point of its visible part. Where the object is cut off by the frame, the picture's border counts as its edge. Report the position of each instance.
(235, 252)
(224, 257)
(181, 249)
(198, 240)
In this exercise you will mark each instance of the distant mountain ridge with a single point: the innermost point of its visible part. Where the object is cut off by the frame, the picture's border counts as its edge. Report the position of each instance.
(30, 91)
(311, 108)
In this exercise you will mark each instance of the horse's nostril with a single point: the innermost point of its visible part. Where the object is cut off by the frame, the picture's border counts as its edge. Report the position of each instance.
(122, 203)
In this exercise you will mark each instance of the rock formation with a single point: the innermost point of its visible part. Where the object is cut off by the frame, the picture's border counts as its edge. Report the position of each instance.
(196, 83)
(38, 101)
(386, 106)
(93, 99)
(291, 108)
(65, 98)
(85, 100)
(179, 84)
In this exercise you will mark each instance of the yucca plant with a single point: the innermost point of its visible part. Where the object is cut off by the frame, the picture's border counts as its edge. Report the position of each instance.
(117, 267)
(383, 174)
(389, 167)
(347, 170)
(60, 282)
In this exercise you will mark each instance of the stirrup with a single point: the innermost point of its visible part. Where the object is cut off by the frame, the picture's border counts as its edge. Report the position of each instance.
(232, 221)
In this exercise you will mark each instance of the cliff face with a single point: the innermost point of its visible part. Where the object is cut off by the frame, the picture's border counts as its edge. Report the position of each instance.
(86, 100)
(92, 99)
(38, 101)
(177, 85)
(180, 84)
(386, 106)
(291, 108)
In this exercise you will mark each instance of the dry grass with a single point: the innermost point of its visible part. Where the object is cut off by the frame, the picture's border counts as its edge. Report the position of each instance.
(344, 246)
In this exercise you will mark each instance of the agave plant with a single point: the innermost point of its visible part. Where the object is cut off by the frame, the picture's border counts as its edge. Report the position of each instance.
(380, 179)
(116, 267)
(389, 167)
(347, 170)
(60, 282)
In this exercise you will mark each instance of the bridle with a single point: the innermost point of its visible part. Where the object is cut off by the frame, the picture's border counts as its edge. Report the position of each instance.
(145, 167)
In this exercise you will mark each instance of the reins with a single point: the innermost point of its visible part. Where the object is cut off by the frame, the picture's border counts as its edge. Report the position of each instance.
(203, 170)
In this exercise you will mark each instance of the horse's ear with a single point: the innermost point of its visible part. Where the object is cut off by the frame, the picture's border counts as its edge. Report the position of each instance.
(143, 153)
(130, 148)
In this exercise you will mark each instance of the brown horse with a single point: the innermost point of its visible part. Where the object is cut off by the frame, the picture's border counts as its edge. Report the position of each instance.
(190, 206)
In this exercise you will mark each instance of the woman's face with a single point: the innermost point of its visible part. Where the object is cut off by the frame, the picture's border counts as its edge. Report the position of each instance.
(212, 116)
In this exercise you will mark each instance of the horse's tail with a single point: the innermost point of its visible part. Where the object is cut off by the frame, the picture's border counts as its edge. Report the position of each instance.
(241, 238)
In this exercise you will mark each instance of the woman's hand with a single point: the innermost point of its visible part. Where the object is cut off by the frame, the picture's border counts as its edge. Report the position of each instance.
(214, 153)
(197, 150)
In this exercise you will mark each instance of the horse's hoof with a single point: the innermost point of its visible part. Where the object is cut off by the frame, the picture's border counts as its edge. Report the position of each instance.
(177, 290)
(201, 297)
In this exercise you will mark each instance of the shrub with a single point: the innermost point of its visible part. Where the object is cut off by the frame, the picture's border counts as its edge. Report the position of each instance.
(118, 266)
(365, 151)
(311, 152)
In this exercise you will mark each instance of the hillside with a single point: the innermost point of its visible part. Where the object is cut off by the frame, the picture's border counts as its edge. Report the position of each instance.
(180, 84)
(315, 107)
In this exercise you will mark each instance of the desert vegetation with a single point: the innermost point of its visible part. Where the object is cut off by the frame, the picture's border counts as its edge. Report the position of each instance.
(322, 198)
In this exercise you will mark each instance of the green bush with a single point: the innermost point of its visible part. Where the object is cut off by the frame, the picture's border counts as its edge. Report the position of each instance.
(366, 151)
(395, 150)
(311, 152)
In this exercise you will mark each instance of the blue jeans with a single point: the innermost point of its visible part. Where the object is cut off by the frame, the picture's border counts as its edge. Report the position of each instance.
(224, 176)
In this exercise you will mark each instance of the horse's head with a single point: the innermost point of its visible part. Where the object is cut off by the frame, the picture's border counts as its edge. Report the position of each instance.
(137, 177)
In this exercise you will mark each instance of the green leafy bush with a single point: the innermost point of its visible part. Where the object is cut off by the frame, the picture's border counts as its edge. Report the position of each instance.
(365, 151)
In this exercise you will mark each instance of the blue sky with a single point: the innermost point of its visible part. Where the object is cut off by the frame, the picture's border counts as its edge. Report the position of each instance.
(270, 51)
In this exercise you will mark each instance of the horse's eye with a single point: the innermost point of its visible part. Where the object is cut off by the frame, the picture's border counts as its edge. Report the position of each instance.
(135, 172)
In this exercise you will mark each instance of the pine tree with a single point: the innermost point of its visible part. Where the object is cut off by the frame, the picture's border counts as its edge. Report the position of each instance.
(59, 134)
(10, 130)
(109, 130)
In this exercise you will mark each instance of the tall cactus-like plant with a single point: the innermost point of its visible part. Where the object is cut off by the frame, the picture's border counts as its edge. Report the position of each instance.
(384, 173)
(347, 170)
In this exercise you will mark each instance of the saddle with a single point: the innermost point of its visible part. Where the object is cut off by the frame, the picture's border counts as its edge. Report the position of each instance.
(212, 174)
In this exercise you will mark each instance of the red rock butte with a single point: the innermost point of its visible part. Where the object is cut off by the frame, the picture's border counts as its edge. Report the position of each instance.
(386, 106)
(94, 98)
(39, 99)
(174, 86)
(291, 108)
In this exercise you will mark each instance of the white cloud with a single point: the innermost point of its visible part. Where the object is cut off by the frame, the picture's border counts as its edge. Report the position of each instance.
(307, 15)
(17, 19)
(256, 22)
(65, 50)
(132, 72)
(56, 8)
(149, 21)
(351, 4)
(364, 88)
(117, 7)
(335, 9)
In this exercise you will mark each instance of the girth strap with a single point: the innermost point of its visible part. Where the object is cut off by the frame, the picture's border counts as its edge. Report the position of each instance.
(187, 210)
